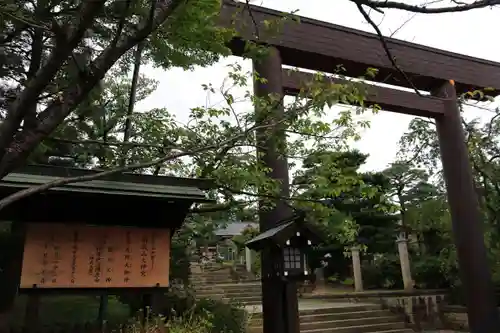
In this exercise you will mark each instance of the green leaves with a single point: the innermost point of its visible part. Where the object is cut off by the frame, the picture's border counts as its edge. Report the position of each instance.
(190, 37)
(353, 202)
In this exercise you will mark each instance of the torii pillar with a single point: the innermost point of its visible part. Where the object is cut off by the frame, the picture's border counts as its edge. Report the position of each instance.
(466, 218)
(279, 299)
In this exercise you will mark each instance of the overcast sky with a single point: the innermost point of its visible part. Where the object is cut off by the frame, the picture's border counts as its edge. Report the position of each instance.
(470, 33)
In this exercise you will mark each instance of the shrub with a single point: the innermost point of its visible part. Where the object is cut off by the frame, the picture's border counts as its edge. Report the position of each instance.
(225, 318)
(158, 324)
(69, 310)
(180, 313)
(428, 273)
(256, 265)
(190, 324)
(179, 259)
(382, 272)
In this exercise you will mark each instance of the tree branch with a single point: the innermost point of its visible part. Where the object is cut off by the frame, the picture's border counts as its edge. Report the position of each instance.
(37, 46)
(34, 88)
(25, 141)
(426, 10)
(268, 196)
(106, 143)
(121, 23)
(386, 48)
(63, 181)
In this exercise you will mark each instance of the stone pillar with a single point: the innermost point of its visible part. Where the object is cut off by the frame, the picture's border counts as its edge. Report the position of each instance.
(320, 276)
(356, 268)
(320, 283)
(235, 253)
(248, 259)
(404, 259)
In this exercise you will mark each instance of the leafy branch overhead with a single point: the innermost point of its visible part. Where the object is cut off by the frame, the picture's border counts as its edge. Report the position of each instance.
(71, 48)
(67, 95)
(64, 95)
(220, 141)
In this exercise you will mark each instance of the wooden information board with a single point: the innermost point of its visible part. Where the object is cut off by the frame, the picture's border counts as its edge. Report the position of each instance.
(82, 256)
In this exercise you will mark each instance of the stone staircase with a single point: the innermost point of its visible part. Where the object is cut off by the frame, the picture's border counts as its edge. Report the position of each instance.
(349, 319)
(232, 284)
(244, 293)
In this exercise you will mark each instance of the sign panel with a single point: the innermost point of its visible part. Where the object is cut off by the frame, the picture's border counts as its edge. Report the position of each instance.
(83, 256)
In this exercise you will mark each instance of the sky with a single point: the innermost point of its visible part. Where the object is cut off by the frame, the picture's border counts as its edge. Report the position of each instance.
(466, 33)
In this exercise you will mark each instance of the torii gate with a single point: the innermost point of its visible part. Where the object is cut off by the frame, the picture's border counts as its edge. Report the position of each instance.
(323, 46)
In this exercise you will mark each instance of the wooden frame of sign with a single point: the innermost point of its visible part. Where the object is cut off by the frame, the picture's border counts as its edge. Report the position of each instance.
(108, 235)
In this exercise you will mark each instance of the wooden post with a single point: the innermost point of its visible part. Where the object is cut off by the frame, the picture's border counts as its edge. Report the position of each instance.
(356, 268)
(279, 299)
(474, 269)
(103, 310)
(32, 313)
(404, 260)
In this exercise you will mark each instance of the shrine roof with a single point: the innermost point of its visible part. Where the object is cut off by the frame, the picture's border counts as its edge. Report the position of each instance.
(128, 184)
(269, 234)
(283, 231)
(120, 199)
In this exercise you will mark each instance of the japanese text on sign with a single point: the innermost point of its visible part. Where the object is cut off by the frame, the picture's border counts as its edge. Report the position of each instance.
(80, 256)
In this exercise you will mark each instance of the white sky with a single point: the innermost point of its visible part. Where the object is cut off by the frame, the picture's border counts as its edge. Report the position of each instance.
(468, 33)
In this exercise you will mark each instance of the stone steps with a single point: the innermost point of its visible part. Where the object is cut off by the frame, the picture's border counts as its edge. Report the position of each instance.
(218, 272)
(245, 299)
(336, 311)
(342, 318)
(348, 322)
(377, 328)
(348, 319)
(246, 302)
(227, 294)
(211, 281)
(242, 293)
(328, 317)
(219, 283)
(360, 327)
(232, 287)
(222, 294)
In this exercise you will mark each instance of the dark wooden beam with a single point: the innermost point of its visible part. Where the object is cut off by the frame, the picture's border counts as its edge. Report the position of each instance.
(280, 308)
(467, 221)
(387, 98)
(323, 47)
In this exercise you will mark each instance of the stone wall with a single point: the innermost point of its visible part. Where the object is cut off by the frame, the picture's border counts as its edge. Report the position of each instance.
(422, 308)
